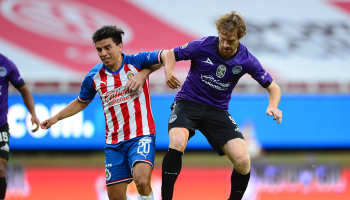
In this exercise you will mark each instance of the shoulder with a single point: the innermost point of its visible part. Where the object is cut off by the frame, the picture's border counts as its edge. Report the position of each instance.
(6, 66)
(245, 53)
(92, 73)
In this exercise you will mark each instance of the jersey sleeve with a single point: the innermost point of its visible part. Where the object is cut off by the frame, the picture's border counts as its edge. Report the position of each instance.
(259, 73)
(145, 59)
(187, 51)
(14, 76)
(87, 90)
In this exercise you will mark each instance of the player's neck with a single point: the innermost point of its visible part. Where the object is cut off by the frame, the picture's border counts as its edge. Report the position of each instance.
(115, 67)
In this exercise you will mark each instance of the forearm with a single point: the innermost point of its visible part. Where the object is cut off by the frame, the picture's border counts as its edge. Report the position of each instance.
(274, 95)
(72, 108)
(169, 59)
(28, 100)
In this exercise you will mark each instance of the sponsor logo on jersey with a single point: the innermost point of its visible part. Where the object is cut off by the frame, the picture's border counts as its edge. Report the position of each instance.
(184, 46)
(108, 174)
(118, 96)
(172, 118)
(208, 61)
(220, 72)
(108, 165)
(3, 71)
(216, 84)
(237, 69)
(130, 74)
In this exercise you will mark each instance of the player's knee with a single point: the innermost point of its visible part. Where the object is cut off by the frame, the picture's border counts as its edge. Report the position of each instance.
(142, 184)
(242, 164)
(2, 169)
(177, 142)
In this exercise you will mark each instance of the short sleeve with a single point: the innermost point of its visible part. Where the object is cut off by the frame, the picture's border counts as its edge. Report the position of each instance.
(145, 59)
(259, 73)
(187, 51)
(14, 76)
(87, 90)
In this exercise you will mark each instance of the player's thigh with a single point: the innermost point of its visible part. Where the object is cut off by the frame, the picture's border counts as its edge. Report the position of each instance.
(4, 148)
(219, 127)
(142, 150)
(117, 191)
(237, 151)
(183, 122)
(117, 168)
(142, 172)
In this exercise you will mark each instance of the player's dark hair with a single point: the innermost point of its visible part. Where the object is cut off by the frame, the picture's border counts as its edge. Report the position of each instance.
(231, 22)
(108, 32)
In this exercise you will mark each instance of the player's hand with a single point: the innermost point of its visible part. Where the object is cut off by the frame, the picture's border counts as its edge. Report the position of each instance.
(171, 80)
(277, 114)
(47, 123)
(135, 83)
(36, 122)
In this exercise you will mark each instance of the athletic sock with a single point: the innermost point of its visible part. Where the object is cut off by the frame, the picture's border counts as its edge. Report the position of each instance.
(3, 186)
(171, 168)
(151, 197)
(239, 183)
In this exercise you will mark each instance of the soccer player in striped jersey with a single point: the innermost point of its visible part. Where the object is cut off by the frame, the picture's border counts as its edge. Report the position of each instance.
(217, 64)
(130, 129)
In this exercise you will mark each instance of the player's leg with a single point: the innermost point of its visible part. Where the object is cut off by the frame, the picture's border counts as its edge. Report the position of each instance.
(225, 137)
(181, 127)
(142, 176)
(117, 171)
(3, 184)
(172, 161)
(141, 159)
(117, 191)
(4, 156)
(237, 151)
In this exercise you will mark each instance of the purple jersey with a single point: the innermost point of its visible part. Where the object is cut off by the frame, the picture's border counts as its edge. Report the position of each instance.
(211, 79)
(8, 73)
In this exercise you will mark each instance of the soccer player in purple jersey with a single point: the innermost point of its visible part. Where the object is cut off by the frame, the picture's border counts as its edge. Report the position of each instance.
(217, 63)
(9, 73)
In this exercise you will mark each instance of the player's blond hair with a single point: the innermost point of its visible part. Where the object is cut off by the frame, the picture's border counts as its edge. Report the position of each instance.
(231, 22)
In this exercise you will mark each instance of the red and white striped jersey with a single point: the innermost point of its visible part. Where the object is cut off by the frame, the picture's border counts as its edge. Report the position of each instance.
(127, 115)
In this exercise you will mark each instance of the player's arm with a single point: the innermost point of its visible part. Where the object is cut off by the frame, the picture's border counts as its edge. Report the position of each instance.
(73, 108)
(274, 99)
(136, 82)
(29, 102)
(171, 80)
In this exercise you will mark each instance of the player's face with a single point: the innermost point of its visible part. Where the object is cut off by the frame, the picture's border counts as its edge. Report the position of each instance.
(109, 52)
(228, 44)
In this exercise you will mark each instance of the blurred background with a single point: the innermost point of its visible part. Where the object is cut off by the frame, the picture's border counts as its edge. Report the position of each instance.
(304, 45)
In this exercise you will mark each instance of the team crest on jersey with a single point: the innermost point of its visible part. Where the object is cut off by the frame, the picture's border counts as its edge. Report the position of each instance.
(220, 72)
(184, 46)
(172, 118)
(130, 74)
(3, 71)
(237, 69)
(108, 174)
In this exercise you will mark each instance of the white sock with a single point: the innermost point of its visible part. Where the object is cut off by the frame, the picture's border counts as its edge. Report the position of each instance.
(127, 197)
(145, 197)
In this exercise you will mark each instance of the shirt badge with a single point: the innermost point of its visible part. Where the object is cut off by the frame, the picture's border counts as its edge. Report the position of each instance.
(220, 72)
(237, 69)
(130, 74)
(3, 71)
